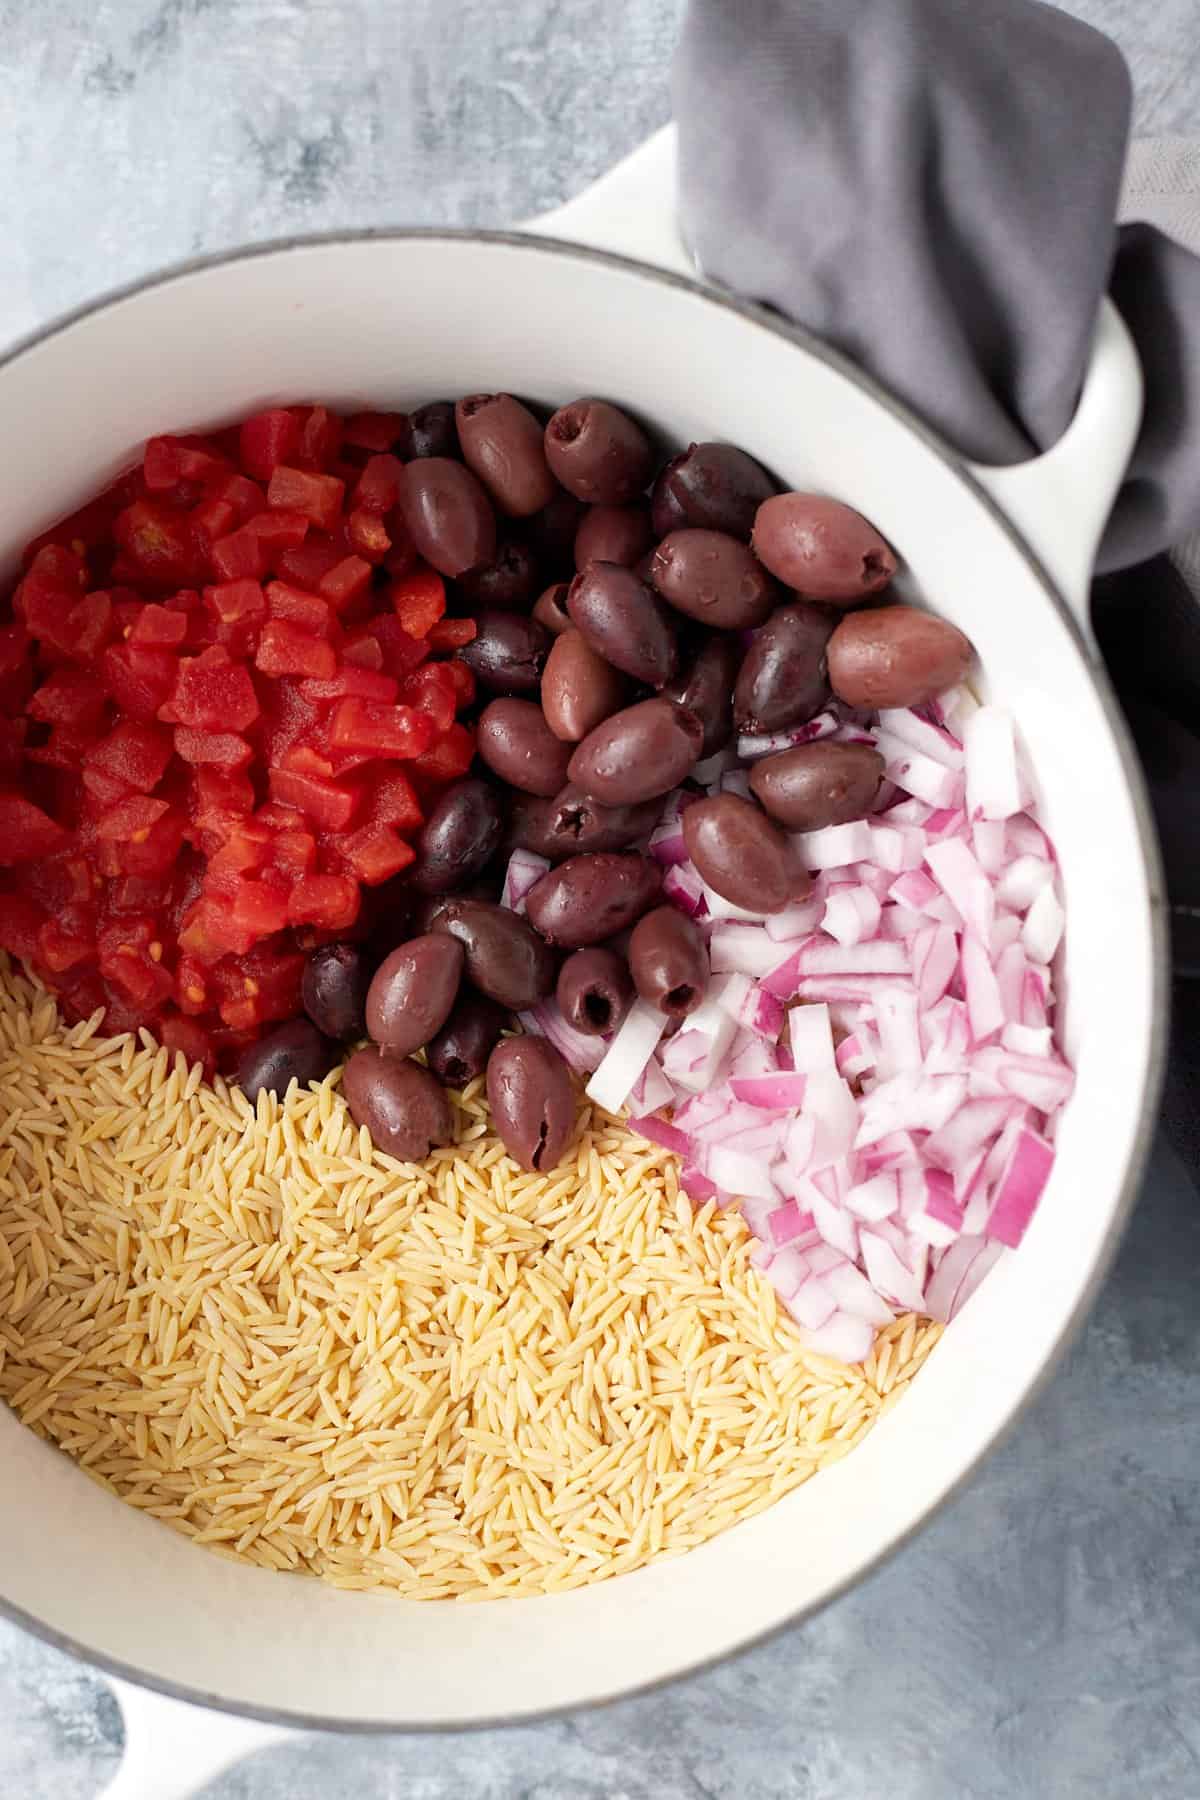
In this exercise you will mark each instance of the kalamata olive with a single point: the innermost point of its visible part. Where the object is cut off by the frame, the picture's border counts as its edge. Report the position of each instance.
(448, 515)
(594, 990)
(598, 453)
(333, 990)
(896, 656)
(714, 486)
(459, 838)
(508, 652)
(819, 784)
(405, 1109)
(296, 1051)
(741, 854)
(588, 898)
(571, 824)
(550, 608)
(579, 688)
(509, 580)
(705, 687)
(552, 531)
(645, 750)
(825, 550)
(712, 577)
(503, 442)
(412, 991)
(516, 743)
(668, 960)
(784, 677)
(506, 959)
(461, 1048)
(624, 620)
(531, 1100)
(613, 534)
(431, 432)
(428, 908)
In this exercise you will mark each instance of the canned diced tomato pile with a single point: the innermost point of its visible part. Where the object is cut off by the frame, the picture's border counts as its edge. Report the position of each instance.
(226, 700)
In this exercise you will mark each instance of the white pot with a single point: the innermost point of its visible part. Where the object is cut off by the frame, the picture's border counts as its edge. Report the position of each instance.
(403, 317)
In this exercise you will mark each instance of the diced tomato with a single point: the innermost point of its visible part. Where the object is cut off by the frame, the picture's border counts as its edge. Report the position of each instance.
(285, 649)
(12, 749)
(184, 1037)
(308, 611)
(374, 430)
(21, 920)
(306, 565)
(393, 801)
(239, 609)
(419, 601)
(27, 834)
(464, 683)
(346, 582)
(156, 853)
(168, 461)
(331, 805)
(350, 680)
(130, 821)
(240, 556)
(294, 853)
(367, 534)
(69, 697)
(62, 944)
(16, 668)
(223, 749)
(452, 634)
(65, 748)
(133, 758)
(384, 644)
(329, 901)
(318, 497)
(267, 439)
(246, 497)
(432, 690)
(164, 546)
(212, 693)
(399, 731)
(220, 796)
(216, 518)
(449, 759)
(377, 489)
(91, 625)
(139, 679)
(46, 598)
(320, 438)
(373, 854)
(161, 626)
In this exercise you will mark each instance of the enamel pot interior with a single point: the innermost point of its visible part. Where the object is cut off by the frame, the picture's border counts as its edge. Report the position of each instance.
(393, 322)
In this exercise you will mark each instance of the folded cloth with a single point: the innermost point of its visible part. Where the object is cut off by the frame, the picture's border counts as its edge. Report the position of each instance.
(933, 186)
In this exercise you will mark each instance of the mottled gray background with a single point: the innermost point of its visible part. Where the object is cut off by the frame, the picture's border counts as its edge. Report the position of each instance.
(1041, 1641)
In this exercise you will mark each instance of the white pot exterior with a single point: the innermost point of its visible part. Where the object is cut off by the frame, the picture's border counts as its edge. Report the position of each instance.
(394, 321)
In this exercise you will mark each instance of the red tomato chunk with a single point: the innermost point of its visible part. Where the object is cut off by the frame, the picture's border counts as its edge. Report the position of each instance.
(218, 724)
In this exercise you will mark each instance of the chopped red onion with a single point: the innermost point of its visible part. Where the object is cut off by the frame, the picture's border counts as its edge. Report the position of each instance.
(631, 1048)
(523, 871)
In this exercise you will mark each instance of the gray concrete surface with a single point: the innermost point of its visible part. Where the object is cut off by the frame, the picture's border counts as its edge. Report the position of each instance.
(1041, 1640)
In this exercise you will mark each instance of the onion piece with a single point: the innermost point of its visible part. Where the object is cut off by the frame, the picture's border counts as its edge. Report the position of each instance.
(582, 1052)
(774, 1093)
(1043, 926)
(844, 1339)
(811, 1039)
(523, 872)
(631, 1048)
(683, 887)
(995, 788)
(751, 746)
(835, 845)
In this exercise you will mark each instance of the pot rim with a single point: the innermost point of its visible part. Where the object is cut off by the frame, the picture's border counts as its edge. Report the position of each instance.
(763, 318)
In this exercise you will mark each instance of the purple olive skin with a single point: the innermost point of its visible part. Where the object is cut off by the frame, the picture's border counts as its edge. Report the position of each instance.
(430, 431)
(507, 653)
(508, 583)
(614, 534)
(405, 1109)
(741, 854)
(296, 1051)
(896, 656)
(594, 990)
(459, 838)
(550, 608)
(503, 443)
(552, 531)
(579, 689)
(590, 898)
(412, 991)
(714, 486)
(668, 960)
(704, 686)
(784, 678)
(505, 957)
(598, 453)
(642, 751)
(816, 785)
(714, 578)
(448, 515)
(532, 1102)
(460, 1050)
(822, 549)
(516, 743)
(625, 622)
(571, 824)
(333, 990)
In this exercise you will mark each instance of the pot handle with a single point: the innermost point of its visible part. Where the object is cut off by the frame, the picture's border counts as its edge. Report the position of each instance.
(173, 1750)
(1059, 502)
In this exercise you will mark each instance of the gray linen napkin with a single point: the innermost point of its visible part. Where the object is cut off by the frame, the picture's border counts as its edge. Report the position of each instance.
(932, 185)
